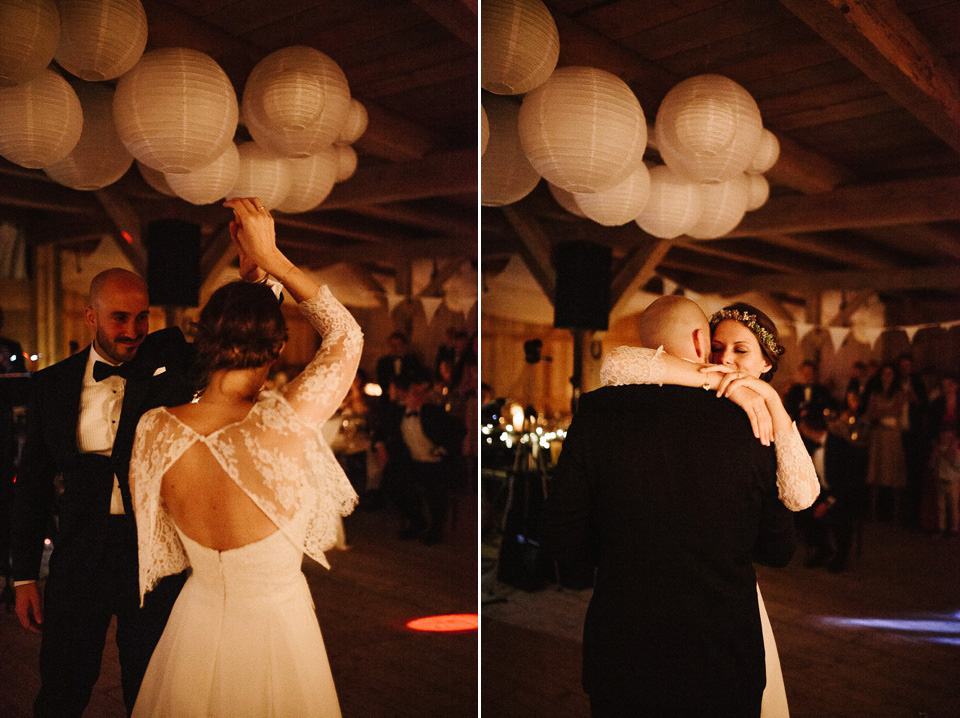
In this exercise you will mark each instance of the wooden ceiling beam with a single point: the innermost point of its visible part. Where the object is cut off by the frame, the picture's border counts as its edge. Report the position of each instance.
(535, 247)
(880, 40)
(14, 192)
(881, 205)
(813, 245)
(458, 16)
(437, 175)
(892, 279)
(636, 272)
(315, 222)
(711, 250)
(440, 221)
(915, 237)
(128, 224)
(441, 276)
(415, 249)
(850, 306)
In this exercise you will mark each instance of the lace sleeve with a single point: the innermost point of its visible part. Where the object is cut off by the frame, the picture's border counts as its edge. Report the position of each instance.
(160, 552)
(632, 365)
(317, 392)
(797, 481)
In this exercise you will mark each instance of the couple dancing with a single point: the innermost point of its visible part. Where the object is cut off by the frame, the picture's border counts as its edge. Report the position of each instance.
(672, 492)
(234, 486)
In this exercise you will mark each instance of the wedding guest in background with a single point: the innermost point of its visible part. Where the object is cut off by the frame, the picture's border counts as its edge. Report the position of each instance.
(11, 354)
(945, 462)
(886, 467)
(858, 379)
(807, 400)
(399, 361)
(943, 412)
(915, 436)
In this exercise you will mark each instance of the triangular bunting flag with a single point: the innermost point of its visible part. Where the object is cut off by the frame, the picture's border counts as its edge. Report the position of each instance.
(911, 332)
(393, 300)
(950, 325)
(871, 334)
(668, 285)
(837, 336)
(802, 330)
(430, 306)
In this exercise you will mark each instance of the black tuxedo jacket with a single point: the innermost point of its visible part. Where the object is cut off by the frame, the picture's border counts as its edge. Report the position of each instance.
(666, 491)
(51, 449)
(441, 427)
(386, 374)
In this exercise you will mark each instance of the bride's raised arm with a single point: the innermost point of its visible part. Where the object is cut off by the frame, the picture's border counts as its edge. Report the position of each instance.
(318, 390)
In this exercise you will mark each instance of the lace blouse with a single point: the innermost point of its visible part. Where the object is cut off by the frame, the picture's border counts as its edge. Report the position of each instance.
(797, 482)
(275, 454)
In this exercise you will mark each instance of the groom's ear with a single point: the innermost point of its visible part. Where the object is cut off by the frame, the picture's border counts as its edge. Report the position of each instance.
(702, 344)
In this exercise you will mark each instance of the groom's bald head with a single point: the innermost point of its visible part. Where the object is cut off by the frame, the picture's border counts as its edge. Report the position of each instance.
(679, 325)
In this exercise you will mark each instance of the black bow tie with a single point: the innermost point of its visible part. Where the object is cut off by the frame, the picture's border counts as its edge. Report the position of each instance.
(101, 370)
(412, 413)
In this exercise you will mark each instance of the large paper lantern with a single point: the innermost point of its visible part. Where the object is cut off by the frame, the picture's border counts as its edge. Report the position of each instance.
(505, 173)
(673, 207)
(520, 45)
(297, 99)
(758, 191)
(29, 33)
(355, 123)
(101, 39)
(583, 129)
(155, 179)
(723, 206)
(40, 120)
(99, 157)
(311, 180)
(210, 183)
(708, 128)
(567, 200)
(619, 204)
(261, 174)
(176, 110)
(346, 162)
(767, 154)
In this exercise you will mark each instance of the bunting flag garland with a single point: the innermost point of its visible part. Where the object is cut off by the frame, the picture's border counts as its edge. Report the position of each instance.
(871, 334)
(430, 306)
(668, 286)
(911, 332)
(838, 335)
(802, 330)
(393, 301)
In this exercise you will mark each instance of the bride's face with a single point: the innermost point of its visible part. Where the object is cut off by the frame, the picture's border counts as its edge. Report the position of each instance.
(732, 344)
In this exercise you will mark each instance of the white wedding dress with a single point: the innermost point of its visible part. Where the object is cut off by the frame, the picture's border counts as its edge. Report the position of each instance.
(243, 638)
(797, 487)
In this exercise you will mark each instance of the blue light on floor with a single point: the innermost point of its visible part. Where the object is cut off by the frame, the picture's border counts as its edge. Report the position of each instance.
(934, 627)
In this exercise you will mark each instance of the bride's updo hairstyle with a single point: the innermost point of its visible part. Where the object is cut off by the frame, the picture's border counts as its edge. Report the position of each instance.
(762, 327)
(240, 327)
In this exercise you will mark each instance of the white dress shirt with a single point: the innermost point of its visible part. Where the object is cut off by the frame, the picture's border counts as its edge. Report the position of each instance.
(421, 448)
(100, 405)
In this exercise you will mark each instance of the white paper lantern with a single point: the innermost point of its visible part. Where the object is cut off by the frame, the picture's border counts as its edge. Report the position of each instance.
(346, 162)
(297, 99)
(176, 110)
(355, 123)
(583, 129)
(40, 120)
(99, 157)
(520, 45)
(767, 154)
(567, 200)
(261, 174)
(484, 130)
(505, 173)
(29, 33)
(312, 179)
(723, 206)
(708, 128)
(210, 183)
(101, 39)
(758, 191)
(673, 207)
(155, 179)
(619, 204)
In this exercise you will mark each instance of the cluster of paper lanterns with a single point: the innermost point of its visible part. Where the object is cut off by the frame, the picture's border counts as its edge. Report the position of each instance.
(174, 110)
(583, 130)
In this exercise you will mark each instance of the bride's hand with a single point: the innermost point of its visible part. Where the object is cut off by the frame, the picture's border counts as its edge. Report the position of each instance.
(757, 411)
(249, 271)
(255, 234)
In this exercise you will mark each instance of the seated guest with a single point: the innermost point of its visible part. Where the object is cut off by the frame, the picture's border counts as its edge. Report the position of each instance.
(419, 444)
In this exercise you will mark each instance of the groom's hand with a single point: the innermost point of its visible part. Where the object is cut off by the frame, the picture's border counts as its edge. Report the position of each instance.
(29, 608)
(757, 411)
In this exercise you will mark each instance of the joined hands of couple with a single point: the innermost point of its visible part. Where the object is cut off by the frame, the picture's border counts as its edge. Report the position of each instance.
(253, 234)
(756, 397)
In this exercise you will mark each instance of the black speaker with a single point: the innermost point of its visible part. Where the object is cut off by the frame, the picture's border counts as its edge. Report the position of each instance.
(582, 298)
(173, 263)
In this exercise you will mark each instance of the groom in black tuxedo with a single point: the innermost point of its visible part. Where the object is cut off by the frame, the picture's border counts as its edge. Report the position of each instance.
(81, 420)
(667, 492)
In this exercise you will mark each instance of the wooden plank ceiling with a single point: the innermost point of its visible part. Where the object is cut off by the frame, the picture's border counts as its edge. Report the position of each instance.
(412, 63)
(863, 96)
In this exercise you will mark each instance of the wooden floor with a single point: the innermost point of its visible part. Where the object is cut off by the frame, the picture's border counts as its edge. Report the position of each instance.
(380, 667)
(881, 640)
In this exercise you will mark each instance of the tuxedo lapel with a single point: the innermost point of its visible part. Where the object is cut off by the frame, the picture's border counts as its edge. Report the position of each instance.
(64, 407)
